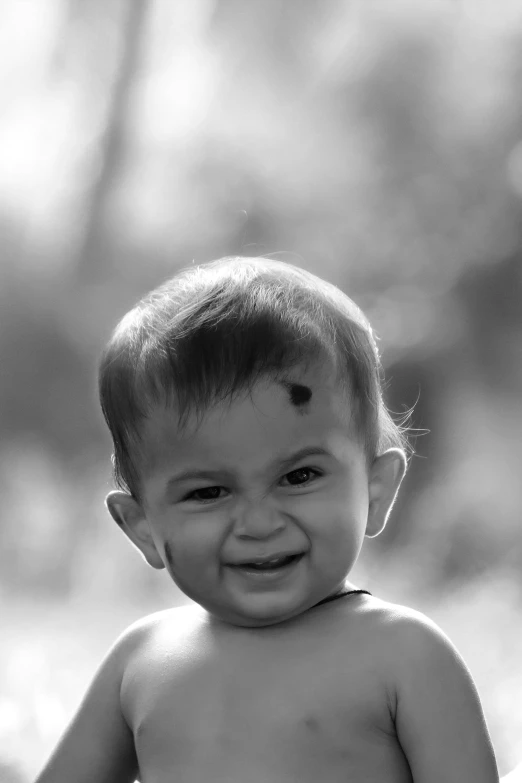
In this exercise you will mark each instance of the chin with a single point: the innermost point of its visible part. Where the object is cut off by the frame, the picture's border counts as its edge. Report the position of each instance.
(258, 622)
(259, 616)
(247, 613)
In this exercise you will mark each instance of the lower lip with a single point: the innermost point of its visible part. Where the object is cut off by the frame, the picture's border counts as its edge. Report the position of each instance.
(270, 575)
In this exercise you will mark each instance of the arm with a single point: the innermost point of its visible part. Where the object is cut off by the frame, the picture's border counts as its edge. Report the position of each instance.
(98, 744)
(439, 718)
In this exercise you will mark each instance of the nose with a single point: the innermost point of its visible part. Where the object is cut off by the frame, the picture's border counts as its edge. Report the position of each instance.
(258, 520)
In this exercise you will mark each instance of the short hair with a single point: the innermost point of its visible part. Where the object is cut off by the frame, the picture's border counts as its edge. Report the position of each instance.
(214, 330)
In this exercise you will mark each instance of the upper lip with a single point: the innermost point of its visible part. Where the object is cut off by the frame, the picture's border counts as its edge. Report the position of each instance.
(263, 558)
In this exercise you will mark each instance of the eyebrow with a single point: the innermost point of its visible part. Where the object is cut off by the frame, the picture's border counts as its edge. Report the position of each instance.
(279, 464)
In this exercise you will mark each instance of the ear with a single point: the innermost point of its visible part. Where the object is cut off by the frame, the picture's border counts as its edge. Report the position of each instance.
(386, 475)
(130, 517)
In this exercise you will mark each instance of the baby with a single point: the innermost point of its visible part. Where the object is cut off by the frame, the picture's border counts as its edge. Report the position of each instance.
(253, 453)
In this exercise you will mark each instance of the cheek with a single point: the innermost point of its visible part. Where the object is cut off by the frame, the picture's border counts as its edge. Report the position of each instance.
(337, 519)
(343, 500)
(189, 542)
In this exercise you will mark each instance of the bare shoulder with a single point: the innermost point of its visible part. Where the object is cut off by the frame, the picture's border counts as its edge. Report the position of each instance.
(402, 638)
(401, 624)
(158, 642)
(153, 629)
(412, 649)
(432, 697)
(98, 744)
(139, 630)
(411, 634)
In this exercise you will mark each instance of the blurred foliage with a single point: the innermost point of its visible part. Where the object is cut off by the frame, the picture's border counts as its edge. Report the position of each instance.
(377, 144)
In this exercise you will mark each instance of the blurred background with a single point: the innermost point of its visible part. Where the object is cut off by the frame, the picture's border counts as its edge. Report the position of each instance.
(378, 144)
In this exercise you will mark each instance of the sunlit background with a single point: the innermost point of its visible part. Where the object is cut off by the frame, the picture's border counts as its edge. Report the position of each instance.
(378, 144)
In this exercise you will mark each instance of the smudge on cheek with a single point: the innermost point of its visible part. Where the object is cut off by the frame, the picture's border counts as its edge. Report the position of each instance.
(312, 724)
(169, 557)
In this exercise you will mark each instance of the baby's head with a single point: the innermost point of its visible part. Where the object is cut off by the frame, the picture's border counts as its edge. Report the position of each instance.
(244, 398)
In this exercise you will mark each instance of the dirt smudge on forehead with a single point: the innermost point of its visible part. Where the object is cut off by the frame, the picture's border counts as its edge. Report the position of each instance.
(300, 394)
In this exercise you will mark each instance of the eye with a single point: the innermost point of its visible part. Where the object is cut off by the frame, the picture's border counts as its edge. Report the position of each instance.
(205, 494)
(301, 476)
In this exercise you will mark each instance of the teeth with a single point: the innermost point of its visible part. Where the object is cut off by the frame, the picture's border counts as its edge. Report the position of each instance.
(274, 562)
(266, 562)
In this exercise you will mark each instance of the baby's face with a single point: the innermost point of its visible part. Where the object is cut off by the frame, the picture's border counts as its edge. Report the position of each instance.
(260, 511)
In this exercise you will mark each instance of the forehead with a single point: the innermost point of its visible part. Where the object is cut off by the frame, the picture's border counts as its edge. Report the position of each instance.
(277, 416)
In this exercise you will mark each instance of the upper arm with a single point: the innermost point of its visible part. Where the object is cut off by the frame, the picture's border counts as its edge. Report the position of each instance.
(439, 719)
(98, 744)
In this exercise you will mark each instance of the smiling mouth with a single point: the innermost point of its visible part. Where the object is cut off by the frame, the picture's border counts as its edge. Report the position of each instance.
(269, 565)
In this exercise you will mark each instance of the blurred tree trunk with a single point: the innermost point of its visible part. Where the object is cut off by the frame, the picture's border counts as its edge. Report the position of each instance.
(94, 250)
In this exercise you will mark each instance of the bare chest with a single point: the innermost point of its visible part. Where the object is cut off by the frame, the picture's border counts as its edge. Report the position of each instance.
(260, 710)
